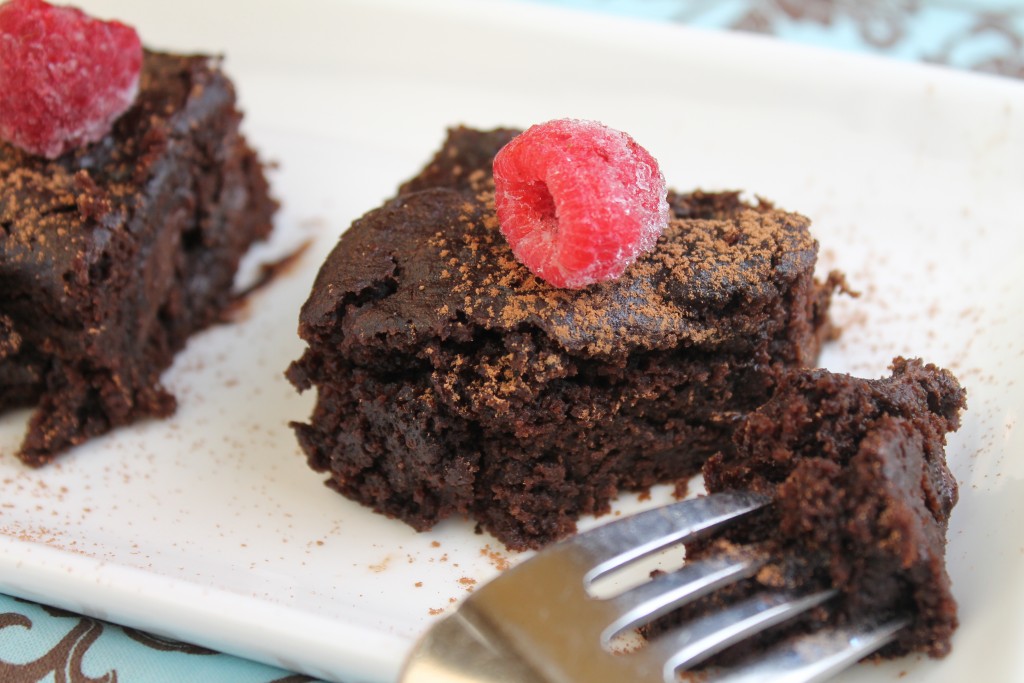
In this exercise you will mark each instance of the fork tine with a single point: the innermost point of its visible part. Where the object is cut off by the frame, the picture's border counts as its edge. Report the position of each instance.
(613, 545)
(542, 619)
(667, 591)
(816, 656)
(703, 637)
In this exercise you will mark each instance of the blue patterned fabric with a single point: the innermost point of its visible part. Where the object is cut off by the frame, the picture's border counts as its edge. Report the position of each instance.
(981, 35)
(42, 643)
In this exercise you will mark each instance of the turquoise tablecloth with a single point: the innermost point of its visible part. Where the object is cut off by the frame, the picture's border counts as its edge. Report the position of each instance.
(42, 643)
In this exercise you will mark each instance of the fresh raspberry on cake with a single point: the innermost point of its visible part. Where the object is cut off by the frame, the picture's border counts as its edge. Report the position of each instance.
(578, 201)
(65, 77)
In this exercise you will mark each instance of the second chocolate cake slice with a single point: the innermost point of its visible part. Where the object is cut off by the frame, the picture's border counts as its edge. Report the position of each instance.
(451, 381)
(113, 254)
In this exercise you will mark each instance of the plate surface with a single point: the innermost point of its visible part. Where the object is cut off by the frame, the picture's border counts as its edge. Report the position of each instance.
(210, 528)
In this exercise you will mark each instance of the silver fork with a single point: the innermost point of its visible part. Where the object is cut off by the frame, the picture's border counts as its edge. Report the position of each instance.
(539, 622)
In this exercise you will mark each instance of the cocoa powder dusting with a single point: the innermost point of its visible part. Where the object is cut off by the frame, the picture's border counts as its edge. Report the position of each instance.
(697, 262)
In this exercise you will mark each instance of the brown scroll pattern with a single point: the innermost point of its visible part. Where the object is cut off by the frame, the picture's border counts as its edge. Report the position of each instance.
(988, 39)
(64, 660)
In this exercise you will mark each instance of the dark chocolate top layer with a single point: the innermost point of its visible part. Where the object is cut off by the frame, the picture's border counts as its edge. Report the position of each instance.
(432, 261)
(114, 253)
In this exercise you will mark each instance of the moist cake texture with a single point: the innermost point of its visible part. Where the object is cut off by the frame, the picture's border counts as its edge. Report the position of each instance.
(450, 381)
(862, 495)
(113, 254)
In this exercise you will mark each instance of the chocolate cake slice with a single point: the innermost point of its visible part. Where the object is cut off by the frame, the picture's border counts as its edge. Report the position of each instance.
(113, 254)
(451, 381)
(862, 495)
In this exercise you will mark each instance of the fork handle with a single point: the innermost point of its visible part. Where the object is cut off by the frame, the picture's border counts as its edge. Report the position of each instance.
(457, 651)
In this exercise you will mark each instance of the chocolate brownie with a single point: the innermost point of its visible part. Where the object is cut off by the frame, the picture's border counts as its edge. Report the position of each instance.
(451, 381)
(113, 254)
(862, 496)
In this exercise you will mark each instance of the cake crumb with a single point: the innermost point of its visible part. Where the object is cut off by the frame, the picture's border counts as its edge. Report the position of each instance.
(380, 566)
(497, 559)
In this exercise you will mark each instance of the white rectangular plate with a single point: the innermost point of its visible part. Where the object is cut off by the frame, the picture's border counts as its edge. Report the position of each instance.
(209, 526)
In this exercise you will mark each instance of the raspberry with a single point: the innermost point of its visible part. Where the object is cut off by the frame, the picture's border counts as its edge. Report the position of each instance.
(577, 201)
(64, 76)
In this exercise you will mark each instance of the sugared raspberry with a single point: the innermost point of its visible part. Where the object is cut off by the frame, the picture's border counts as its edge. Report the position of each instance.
(578, 201)
(64, 76)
